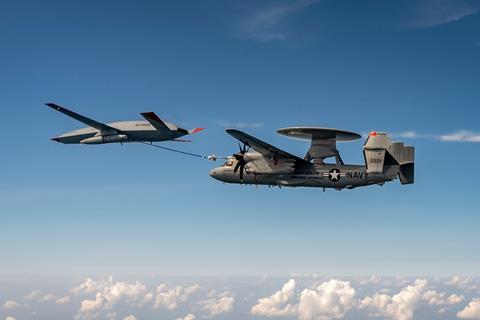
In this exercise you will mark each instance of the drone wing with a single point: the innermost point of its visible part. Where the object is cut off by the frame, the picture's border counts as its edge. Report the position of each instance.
(265, 149)
(89, 122)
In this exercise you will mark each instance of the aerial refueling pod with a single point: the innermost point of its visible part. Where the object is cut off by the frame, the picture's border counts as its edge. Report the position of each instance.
(105, 139)
(380, 151)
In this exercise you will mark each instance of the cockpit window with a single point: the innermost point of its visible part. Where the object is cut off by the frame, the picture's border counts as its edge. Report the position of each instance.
(229, 163)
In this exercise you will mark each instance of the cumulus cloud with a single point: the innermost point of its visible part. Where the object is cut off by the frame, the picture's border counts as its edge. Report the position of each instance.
(187, 317)
(47, 298)
(130, 317)
(10, 304)
(33, 295)
(434, 298)
(222, 303)
(262, 23)
(330, 300)
(110, 293)
(398, 307)
(277, 304)
(9, 318)
(463, 283)
(92, 305)
(471, 311)
(170, 298)
(63, 300)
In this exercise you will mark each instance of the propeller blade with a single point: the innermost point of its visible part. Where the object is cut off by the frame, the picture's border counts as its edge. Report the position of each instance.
(242, 167)
(237, 166)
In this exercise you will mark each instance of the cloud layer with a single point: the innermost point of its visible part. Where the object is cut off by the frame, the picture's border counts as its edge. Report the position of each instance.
(301, 297)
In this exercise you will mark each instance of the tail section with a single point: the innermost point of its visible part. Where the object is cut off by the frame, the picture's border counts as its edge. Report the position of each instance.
(155, 121)
(195, 130)
(380, 151)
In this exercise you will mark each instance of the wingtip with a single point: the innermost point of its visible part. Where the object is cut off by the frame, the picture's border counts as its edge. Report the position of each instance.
(53, 105)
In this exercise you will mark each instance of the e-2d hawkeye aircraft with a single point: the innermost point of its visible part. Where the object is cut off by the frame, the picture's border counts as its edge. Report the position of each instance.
(153, 129)
(268, 165)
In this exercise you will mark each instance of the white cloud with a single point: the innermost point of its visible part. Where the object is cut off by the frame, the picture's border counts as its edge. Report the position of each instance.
(9, 318)
(430, 13)
(463, 283)
(262, 23)
(47, 298)
(92, 305)
(240, 125)
(456, 136)
(461, 136)
(471, 311)
(9, 305)
(398, 307)
(223, 303)
(169, 298)
(110, 293)
(330, 300)
(408, 134)
(33, 295)
(278, 303)
(455, 299)
(63, 300)
(130, 317)
(370, 280)
(187, 317)
(435, 298)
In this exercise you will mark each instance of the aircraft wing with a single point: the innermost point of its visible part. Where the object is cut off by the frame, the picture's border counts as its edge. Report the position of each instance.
(262, 147)
(89, 122)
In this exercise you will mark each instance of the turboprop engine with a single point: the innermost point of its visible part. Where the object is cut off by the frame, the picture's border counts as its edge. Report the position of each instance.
(105, 139)
(256, 163)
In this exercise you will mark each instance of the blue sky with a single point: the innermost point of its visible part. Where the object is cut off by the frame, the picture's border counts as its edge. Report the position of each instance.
(408, 68)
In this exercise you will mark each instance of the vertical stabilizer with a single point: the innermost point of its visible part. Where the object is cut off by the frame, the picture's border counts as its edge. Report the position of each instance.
(380, 151)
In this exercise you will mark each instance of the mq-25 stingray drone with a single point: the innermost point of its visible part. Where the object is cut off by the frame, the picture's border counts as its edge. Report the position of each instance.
(268, 165)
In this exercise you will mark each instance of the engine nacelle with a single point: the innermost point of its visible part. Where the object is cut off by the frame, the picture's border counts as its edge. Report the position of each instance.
(263, 165)
(106, 139)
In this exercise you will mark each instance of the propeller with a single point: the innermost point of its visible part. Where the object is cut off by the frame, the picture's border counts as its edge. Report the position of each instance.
(240, 157)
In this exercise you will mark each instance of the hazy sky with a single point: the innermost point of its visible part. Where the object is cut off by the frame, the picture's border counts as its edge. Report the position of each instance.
(409, 68)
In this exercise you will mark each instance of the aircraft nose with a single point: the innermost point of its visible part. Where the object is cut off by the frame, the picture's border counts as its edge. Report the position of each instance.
(214, 173)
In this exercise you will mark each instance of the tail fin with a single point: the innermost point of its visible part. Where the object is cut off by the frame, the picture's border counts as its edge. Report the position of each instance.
(407, 173)
(155, 121)
(379, 151)
(195, 130)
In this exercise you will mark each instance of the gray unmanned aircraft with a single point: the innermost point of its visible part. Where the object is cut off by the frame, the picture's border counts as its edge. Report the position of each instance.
(268, 165)
(153, 129)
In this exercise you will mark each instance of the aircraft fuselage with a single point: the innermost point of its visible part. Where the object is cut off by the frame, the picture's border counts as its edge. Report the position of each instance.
(322, 176)
(133, 130)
